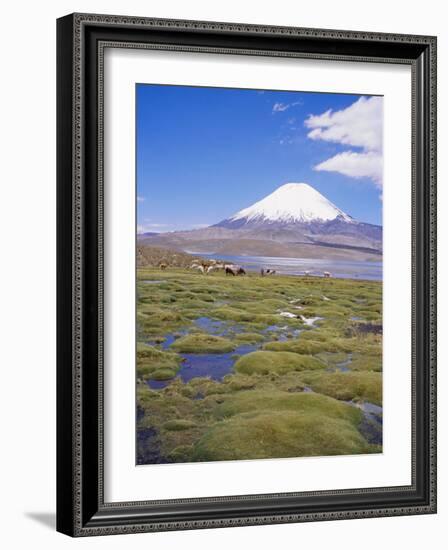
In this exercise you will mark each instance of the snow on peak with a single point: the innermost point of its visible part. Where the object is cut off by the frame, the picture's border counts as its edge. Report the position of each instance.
(292, 203)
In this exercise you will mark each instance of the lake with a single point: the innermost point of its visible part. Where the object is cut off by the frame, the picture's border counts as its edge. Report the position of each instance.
(372, 271)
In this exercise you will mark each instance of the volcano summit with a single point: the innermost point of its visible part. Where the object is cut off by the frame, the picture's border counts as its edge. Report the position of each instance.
(292, 203)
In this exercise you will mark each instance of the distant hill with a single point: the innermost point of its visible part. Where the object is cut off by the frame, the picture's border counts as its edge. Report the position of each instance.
(153, 256)
(147, 234)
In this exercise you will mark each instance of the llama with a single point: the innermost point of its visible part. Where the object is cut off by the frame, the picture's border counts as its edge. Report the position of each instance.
(215, 267)
(234, 270)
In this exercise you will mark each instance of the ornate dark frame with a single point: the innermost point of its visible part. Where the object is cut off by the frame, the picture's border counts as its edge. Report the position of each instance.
(81, 39)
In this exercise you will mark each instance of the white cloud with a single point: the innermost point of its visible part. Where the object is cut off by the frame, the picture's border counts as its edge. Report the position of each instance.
(355, 165)
(359, 125)
(140, 199)
(280, 107)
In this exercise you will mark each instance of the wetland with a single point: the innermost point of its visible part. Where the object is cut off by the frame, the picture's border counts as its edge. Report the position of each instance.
(252, 367)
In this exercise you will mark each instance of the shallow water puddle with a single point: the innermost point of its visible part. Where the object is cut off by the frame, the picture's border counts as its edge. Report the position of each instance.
(371, 426)
(217, 327)
(282, 333)
(212, 326)
(199, 365)
(343, 366)
(215, 365)
(212, 365)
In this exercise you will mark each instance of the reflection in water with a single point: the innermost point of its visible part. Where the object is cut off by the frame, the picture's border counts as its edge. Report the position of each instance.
(212, 365)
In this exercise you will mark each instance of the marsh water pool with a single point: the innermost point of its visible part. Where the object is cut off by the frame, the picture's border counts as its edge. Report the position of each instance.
(222, 360)
(297, 266)
(215, 365)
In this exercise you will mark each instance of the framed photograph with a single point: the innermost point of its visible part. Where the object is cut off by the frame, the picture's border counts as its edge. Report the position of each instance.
(246, 274)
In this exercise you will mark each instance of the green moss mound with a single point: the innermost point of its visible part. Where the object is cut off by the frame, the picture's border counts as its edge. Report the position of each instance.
(274, 400)
(249, 338)
(246, 316)
(156, 364)
(312, 343)
(366, 363)
(265, 362)
(279, 434)
(347, 386)
(162, 374)
(203, 343)
(179, 424)
(182, 453)
(301, 346)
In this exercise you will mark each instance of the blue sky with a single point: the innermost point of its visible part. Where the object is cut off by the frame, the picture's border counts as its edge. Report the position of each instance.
(205, 153)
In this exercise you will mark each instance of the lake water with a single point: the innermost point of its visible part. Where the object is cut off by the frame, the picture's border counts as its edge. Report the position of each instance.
(297, 266)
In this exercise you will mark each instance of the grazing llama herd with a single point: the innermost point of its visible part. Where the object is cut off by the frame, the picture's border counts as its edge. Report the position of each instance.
(230, 269)
(213, 265)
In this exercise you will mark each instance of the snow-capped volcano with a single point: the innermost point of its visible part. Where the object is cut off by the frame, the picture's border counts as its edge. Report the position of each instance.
(291, 203)
(293, 221)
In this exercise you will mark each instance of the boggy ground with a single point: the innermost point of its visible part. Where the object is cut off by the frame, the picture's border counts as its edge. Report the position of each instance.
(227, 369)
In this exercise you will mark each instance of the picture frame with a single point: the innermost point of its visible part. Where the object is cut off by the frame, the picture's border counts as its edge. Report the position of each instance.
(81, 506)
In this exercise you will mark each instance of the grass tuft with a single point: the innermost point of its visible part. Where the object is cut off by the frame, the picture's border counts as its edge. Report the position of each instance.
(266, 362)
(203, 343)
